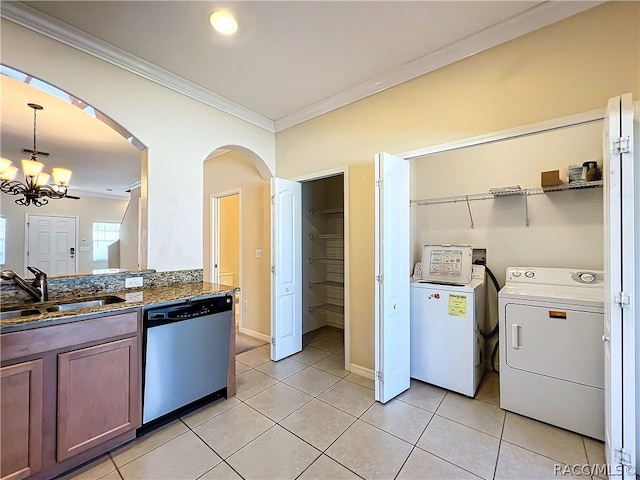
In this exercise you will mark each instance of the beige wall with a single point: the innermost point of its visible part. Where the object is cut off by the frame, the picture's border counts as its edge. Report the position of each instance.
(570, 67)
(230, 236)
(87, 209)
(223, 174)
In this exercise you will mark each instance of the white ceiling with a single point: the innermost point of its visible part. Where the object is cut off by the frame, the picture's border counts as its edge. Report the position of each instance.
(289, 61)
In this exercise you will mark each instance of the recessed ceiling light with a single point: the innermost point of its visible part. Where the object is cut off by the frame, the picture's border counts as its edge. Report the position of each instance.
(224, 23)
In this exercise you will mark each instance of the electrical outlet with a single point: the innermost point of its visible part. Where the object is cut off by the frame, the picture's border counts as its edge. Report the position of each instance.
(133, 282)
(245, 304)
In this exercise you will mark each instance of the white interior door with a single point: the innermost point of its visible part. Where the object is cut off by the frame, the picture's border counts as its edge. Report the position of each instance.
(51, 244)
(286, 268)
(392, 269)
(620, 212)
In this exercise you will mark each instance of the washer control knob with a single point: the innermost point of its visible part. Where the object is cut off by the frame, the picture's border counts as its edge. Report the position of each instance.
(516, 273)
(529, 274)
(587, 277)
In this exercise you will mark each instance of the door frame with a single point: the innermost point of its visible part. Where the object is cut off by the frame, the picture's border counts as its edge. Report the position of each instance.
(214, 200)
(332, 172)
(26, 272)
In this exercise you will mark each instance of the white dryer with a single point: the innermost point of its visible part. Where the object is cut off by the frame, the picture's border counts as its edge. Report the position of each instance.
(551, 352)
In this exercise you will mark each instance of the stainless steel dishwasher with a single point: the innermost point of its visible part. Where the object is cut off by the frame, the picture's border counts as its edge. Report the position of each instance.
(186, 354)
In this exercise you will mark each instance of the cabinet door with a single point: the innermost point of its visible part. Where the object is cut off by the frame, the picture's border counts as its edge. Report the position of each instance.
(98, 395)
(21, 419)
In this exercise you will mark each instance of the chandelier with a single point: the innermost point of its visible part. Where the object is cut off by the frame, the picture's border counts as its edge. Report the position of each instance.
(36, 188)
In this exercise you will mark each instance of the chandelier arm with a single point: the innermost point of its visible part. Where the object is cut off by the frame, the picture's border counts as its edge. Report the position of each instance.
(13, 188)
(51, 192)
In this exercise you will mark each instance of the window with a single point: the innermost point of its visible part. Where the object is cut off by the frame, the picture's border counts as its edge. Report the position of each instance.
(104, 234)
(3, 226)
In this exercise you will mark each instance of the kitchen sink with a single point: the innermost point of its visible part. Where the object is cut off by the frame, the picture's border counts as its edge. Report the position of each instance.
(89, 303)
(18, 313)
(59, 306)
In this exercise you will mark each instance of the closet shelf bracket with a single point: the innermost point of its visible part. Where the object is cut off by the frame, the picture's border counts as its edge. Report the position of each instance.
(469, 209)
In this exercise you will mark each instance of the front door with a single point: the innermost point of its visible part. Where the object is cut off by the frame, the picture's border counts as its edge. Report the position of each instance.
(51, 244)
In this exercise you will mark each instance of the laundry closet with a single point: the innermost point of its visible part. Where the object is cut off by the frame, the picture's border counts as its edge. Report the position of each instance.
(323, 253)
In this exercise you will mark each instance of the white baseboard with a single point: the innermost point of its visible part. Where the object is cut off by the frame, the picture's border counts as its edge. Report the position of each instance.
(258, 335)
(362, 371)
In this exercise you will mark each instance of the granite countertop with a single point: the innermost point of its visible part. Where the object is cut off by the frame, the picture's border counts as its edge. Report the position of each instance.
(133, 298)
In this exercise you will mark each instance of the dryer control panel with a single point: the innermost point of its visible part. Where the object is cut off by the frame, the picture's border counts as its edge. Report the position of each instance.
(555, 276)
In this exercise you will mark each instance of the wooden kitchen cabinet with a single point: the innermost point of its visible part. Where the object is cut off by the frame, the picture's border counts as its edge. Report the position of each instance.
(95, 388)
(21, 420)
(70, 393)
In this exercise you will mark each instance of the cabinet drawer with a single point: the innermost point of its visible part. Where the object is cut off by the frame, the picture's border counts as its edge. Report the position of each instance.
(44, 339)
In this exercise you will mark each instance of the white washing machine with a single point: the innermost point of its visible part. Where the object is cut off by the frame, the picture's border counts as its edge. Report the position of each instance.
(447, 321)
(551, 352)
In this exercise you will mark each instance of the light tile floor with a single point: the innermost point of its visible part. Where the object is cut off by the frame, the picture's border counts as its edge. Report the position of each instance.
(306, 417)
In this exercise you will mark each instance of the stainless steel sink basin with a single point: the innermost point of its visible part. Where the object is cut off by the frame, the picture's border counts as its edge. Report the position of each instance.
(59, 306)
(98, 302)
(18, 313)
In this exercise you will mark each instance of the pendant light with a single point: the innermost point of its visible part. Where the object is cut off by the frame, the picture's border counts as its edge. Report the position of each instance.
(36, 188)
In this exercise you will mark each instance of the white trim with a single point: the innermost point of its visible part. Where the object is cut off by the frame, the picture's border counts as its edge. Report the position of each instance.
(332, 172)
(79, 192)
(362, 371)
(531, 129)
(43, 24)
(259, 336)
(215, 247)
(537, 17)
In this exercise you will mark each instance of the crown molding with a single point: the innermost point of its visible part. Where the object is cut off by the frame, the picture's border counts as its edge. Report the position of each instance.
(38, 22)
(536, 17)
(82, 192)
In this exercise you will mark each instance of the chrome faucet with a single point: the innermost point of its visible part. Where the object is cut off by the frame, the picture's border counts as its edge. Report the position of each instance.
(38, 289)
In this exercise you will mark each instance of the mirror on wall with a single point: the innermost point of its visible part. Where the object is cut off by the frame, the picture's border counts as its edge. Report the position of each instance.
(106, 163)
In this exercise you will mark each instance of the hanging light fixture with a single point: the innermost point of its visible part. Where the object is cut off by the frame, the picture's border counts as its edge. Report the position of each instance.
(36, 188)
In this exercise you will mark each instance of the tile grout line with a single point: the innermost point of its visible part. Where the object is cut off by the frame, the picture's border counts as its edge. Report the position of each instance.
(495, 467)
(468, 426)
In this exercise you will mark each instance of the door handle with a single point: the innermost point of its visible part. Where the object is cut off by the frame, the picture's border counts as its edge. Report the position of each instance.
(515, 339)
(72, 252)
(605, 338)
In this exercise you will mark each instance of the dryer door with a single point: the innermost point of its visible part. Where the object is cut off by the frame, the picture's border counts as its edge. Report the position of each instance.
(556, 342)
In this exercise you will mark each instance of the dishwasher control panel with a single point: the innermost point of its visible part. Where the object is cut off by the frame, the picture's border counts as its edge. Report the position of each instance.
(189, 309)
